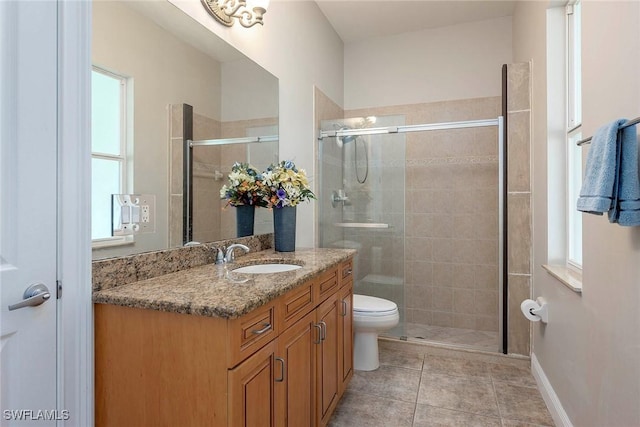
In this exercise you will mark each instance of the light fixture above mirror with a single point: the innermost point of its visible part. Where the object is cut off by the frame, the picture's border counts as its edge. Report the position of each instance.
(247, 12)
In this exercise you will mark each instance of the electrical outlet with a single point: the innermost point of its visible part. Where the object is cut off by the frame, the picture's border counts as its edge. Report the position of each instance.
(133, 214)
(145, 213)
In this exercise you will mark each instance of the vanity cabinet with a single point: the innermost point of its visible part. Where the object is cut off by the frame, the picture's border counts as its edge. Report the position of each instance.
(251, 392)
(285, 363)
(345, 366)
(327, 358)
(275, 386)
(295, 375)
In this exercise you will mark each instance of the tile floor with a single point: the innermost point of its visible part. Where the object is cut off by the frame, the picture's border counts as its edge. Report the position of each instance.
(417, 386)
(470, 338)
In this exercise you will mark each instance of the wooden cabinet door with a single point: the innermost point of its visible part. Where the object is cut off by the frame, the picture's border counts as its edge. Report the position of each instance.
(345, 352)
(296, 373)
(327, 358)
(251, 390)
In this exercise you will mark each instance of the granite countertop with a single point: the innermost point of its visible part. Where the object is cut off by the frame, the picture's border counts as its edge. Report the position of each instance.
(214, 291)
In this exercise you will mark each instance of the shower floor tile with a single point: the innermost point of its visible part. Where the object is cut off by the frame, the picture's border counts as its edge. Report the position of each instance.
(468, 338)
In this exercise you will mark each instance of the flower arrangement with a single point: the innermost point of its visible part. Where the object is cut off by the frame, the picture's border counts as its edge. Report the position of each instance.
(245, 186)
(285, 185)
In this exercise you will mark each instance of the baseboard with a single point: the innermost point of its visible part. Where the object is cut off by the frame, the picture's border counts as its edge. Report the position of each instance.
(550, 397)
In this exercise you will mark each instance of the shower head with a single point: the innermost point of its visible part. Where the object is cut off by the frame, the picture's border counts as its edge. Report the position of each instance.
(341, 140)
(347, 139)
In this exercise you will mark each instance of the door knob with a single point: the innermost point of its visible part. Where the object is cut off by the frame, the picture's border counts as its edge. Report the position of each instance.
(34, 295)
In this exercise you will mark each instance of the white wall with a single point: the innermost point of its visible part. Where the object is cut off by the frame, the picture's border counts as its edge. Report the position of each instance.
(448, 63)
(589, 349)
(298, 46)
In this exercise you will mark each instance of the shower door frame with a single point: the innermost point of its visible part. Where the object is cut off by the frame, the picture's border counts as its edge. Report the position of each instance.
(502, 211)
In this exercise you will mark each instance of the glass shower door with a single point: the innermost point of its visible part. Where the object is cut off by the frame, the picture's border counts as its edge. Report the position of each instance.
(362, 204)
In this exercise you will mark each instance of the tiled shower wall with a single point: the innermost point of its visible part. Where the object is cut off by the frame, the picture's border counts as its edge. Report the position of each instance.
(211, 220)
(451, 234)
(331, 176)
(451, 270)
(381, 198)
(206, 189)
(238, 153)
(519, 204)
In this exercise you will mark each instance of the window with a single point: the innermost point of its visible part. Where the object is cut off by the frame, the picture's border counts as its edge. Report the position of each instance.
(108, 151)
(574, 134)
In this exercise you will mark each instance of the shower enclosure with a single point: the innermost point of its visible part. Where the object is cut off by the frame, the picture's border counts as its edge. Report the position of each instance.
(422, 205)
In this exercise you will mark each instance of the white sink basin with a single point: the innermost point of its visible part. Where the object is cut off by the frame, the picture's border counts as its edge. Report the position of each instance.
(266, 268)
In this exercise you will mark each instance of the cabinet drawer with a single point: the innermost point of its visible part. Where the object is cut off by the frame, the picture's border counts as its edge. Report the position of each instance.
(328, 283)
(298, 302)
(249, 333)
(346, 272)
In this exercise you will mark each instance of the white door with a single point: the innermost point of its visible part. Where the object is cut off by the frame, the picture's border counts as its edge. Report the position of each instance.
(28, 186)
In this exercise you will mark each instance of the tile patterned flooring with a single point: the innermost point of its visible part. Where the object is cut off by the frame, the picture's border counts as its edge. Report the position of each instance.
(419, 386)
(470, 338)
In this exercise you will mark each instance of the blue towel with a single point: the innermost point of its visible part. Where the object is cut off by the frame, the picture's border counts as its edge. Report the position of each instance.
(611, 182)
(598, 187)
(627, 209)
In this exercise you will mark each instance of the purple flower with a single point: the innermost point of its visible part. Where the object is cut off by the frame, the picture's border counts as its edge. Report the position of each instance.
(281, 194)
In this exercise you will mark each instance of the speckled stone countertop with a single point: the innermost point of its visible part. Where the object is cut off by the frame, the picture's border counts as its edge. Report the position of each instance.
(216, 291)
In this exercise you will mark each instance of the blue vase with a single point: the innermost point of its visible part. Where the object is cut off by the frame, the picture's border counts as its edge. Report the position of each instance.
(284, 229)
(244, 220)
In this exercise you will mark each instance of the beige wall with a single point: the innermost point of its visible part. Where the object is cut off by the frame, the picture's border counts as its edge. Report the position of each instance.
(247, 92)
(454, 62)
(589, 349)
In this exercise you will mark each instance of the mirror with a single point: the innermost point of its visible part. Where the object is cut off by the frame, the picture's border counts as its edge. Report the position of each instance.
(150, 61)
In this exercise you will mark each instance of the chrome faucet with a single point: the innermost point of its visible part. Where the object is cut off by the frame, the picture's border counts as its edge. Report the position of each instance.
(229, 256)
(220, 255)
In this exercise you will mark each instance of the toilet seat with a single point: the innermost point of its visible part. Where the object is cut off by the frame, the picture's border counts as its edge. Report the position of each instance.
(365, 305)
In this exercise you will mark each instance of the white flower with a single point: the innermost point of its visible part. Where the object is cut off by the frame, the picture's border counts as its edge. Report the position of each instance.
(267, 177)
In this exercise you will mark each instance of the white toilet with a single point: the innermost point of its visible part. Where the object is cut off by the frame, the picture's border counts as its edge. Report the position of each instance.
(371, 316)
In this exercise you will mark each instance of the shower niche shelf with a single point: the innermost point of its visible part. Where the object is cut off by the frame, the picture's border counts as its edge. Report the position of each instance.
(361, 225)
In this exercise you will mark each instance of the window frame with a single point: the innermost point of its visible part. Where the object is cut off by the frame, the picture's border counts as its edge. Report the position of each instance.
(122, 158)
(573, 109)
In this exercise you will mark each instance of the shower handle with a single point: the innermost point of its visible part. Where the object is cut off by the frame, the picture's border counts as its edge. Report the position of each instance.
(338, 197)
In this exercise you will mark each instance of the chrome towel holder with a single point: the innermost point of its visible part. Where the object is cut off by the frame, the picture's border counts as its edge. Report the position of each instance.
(627, 124)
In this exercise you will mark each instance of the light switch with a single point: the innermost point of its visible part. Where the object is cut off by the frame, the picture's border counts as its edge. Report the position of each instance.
(133, 214)
(125, 214)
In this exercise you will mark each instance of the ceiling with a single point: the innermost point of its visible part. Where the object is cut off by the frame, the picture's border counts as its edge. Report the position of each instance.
(356, 20)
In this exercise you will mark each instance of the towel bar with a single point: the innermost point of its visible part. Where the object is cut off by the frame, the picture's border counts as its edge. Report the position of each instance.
(629, 123)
